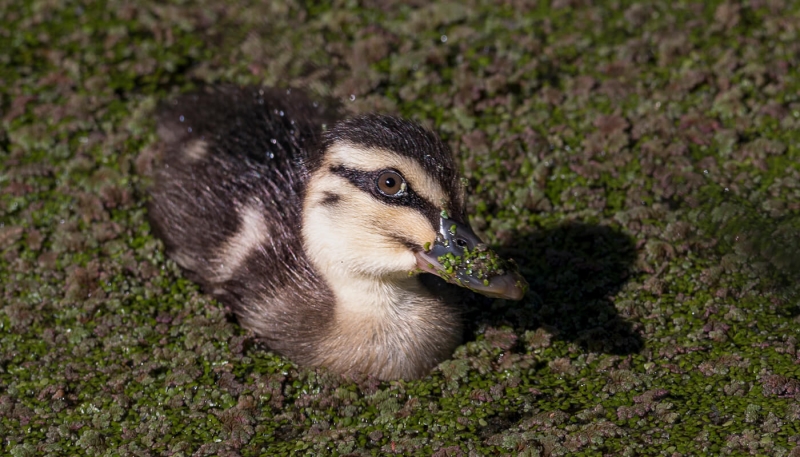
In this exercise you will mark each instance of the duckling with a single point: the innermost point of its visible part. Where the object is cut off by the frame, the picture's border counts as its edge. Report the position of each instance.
(316, 231)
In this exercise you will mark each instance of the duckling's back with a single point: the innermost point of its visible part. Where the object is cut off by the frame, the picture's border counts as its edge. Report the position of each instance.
(227, 202)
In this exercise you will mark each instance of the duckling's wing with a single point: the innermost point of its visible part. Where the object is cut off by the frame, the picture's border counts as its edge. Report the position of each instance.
(228, 195)
(259, 124)
(227, 149)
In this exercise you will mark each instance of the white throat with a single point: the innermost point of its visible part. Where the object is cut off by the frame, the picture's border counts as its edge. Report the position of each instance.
(371, 298)
(393, 328)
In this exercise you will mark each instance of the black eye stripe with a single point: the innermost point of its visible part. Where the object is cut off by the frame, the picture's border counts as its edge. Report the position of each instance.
(365, 180)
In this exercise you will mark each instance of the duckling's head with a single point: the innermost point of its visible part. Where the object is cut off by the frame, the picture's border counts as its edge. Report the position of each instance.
(384, 202)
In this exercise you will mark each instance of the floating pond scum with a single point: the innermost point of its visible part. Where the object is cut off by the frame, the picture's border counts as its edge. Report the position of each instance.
(639, 161)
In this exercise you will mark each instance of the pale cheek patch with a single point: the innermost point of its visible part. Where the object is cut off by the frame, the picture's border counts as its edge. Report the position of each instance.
(404, 223)
(360, 235)
(353, 243)
(253, 232)
(381, 225)
(195, 151)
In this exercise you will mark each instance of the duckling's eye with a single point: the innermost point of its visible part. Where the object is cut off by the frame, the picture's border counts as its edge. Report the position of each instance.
(391, 183)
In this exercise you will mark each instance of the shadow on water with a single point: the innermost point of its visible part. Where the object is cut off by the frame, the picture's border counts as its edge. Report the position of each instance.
(573, 270)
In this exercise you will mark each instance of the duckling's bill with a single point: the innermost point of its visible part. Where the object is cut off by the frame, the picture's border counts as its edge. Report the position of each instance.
(459, 257)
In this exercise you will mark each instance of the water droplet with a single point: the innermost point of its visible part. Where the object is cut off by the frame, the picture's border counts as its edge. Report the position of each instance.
(705, 172)
(281, 113)
(271, 155)
(352, 97)
(181, 118)
(273, 141)
(726, 189)
(444, 38)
